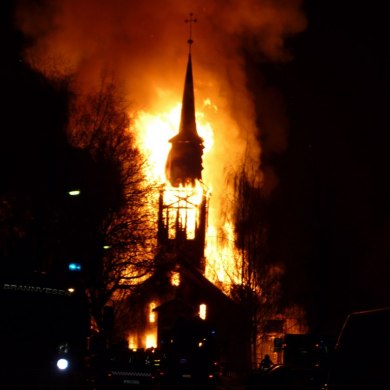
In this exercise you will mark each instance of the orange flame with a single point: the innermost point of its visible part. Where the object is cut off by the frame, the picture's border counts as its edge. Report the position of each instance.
(153, 133)
(142, 43)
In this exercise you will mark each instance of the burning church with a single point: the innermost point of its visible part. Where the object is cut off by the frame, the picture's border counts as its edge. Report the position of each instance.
(178, 302)
(193, 270)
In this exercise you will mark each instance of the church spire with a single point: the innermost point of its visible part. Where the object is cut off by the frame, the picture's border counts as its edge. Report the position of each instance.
(184, 164)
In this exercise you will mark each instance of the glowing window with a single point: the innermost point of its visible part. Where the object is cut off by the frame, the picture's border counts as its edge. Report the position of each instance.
(175, 279)
(152, 314)
(132, 341)
(151, 340)
(202, 311)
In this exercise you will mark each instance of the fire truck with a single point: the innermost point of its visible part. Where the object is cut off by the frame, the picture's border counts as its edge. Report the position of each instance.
(45, 324)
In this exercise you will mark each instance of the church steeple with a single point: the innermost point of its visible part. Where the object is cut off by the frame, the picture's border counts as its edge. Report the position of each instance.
(187, 129)
(184, 164)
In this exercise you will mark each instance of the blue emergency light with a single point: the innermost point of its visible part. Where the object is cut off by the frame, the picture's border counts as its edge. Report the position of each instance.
(74, 267)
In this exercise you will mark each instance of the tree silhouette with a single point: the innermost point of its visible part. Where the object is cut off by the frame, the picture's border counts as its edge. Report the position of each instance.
(259, 289)
(122, 242)
(33, 152)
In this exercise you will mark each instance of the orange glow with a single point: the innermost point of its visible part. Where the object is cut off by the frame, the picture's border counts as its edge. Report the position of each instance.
(175, 279)
(153, 134)
(202, 311)
(152, 313)
(186, 201)
(151, 340)
(142, 339)
(224, 261)
(132, 342)
(154, 131)
(146, 54)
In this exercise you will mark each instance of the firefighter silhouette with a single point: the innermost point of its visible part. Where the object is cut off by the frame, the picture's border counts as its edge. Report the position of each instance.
(266, 363)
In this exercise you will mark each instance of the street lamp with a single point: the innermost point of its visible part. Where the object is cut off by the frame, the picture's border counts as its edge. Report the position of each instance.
(74, 192)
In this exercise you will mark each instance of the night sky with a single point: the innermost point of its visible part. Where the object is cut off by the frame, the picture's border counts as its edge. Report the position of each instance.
(331, 209)
(330, 214)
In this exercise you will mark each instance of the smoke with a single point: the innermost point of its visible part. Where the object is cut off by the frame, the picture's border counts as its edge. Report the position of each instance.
(144, 43)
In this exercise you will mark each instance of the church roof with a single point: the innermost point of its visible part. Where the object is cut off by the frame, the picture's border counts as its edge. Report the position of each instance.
(187, 129)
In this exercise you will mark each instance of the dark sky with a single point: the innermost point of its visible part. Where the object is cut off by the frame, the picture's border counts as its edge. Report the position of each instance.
(331, 211)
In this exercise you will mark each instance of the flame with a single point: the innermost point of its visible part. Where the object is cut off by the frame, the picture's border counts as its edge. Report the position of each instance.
(153, 133)
(186, 201)
(224, 260)
(152, 313)
(132, 341)
(144, 45)
(145, 337)
(175, 279)
(151, 340)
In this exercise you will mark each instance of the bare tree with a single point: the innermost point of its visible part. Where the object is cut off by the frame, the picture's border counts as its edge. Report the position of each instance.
(259, 290)
(123, 239)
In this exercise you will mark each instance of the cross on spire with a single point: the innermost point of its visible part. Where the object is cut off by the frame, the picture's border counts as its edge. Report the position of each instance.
(190, 20)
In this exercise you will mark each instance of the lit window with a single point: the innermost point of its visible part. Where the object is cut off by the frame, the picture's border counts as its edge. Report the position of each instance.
(175, 279)
(202, 311)
(152, 314)
(132, 341)
(151, 340)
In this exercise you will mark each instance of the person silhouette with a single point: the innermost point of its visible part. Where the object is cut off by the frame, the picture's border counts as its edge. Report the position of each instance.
(266, 363)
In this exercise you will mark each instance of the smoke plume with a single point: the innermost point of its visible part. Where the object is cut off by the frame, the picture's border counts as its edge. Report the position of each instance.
(144, 43)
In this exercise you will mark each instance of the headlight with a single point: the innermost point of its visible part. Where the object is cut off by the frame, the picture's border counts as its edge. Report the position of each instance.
(62, 364)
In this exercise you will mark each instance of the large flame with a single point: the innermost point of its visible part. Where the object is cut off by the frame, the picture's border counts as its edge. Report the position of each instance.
(143, 44)
(153, 134)
(155, 129)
